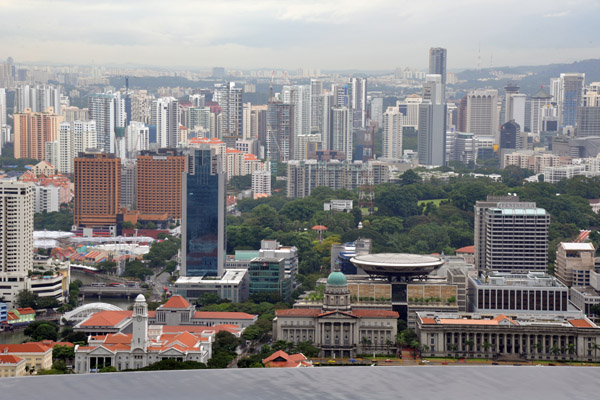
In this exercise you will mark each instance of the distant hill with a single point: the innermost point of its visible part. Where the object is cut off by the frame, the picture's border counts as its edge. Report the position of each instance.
(540, 75)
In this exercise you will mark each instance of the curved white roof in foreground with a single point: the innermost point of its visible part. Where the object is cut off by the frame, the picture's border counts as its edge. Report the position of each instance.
(85, 310)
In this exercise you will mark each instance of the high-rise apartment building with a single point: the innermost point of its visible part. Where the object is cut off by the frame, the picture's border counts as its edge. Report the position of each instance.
(392, 133)
(316, 105)
(482, 112)
(539, 101)
(229, 97)
(165, 116)
(341, 131)
(410, 108)
(158, 181)
(33, 130)
(357, 91)
(516, 237)
(203, 222)
(38, 98)
(437, 62)
(574, 263)
(510, 89)
(103, 110)
(137, 138)
(74, 138)
(432, 123)
(97, 189)
(571, 91)
(377, 110)
(3, 120)
(16, 237)
(298, 96)
(279, 131)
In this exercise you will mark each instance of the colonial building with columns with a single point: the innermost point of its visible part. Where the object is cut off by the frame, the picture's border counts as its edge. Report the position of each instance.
(337, 329)
(530, 337)
(146, 345)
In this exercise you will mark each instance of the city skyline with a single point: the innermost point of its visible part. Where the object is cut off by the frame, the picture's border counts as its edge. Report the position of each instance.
(298, 34)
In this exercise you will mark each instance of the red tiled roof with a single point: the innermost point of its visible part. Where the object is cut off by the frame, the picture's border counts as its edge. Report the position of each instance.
(50, 343)
(222, 315)
(176, 302)
(11, 316)
(31, 347)
(27, 310)
(427, 320)
(291, 361)
(107, 318)
(298, 312)
(466, 249)
(9, 359)
(375, 314)
(580, 323)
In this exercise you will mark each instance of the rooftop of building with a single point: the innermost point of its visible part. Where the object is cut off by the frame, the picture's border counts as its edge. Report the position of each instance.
(578, 246)
(529, 279)
(9, 359)
(176, 301)
(587, 291)
(466, 250)
(432, 318)
(230, 276)
(282, 359)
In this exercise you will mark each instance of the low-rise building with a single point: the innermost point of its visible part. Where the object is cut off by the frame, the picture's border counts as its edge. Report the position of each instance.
(11, 366)
(267, 276)
(35, 354)
(146, 345)
(513, 294)
(281, 359)
(335, 326)
(338, 206)
(273, 249)
(525, 337)
(574, 262)
(233, 285)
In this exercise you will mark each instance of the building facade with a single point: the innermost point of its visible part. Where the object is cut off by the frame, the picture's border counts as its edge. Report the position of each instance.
(97, 189)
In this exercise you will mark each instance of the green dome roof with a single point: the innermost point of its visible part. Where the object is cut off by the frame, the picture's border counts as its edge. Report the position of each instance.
(337, 278)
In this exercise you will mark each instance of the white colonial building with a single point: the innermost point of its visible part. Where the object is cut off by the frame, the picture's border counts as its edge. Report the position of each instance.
(146, 345)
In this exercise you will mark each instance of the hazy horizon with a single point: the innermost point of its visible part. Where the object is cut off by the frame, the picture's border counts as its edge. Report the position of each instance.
(378, 35)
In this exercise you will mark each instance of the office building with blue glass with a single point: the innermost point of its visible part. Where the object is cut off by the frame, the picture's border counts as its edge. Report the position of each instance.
(203, 215)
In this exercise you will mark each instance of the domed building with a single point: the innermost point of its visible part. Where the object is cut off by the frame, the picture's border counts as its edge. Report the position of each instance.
(334, 327)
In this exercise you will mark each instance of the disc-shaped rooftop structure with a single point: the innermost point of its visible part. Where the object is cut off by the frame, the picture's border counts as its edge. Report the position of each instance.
(398, 265)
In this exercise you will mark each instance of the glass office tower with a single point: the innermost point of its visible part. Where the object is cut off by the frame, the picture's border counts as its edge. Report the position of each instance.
(203, 220)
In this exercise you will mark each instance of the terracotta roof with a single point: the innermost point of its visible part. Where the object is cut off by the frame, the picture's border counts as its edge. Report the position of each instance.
(31, 347)
(298, 312)
(50, 343)
(466, 249)
(107, 318)
(27, 310)
(233, 151)
(580, 323)
(222, 315)
(11, 316)
(118, 338)
(375, 314)
(9, 359)
(466, 321)
(319, 228)
(289, 360)
(199, 329)
(176, 302)
(427, 320)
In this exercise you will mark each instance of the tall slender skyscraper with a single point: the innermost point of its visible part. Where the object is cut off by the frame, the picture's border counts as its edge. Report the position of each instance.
(229, 98)
(341, 131)
(102, 110)
(432, 123)
(392, 133)
(571, 97)
(481, 112)
(203, 221)
(33, 130)
(165, 116)
(437, 62)
(298, 97)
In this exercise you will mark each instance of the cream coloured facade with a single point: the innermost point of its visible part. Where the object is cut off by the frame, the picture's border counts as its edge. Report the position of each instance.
(337, 329)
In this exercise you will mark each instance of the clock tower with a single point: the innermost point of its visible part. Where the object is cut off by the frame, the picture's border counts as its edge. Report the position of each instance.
(140, 324)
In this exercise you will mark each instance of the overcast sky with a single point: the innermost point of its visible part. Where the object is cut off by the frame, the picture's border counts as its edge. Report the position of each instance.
(325, 34)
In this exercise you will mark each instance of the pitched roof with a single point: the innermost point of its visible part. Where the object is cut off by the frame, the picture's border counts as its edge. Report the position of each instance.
(222, 315)
(375, 313)
(284, 360)
(466, 249)
(580, 323)
(31, 347)
(9, 359)
(107, 318)
(27, 310)
(176, 302)
(298, 312)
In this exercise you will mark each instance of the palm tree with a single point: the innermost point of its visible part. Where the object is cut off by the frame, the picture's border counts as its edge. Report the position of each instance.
(571, 348)
(453, 347)
(486, 346)
(555, 350)
(470, 343)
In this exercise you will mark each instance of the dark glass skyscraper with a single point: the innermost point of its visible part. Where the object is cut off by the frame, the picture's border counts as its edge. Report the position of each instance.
(437, 62)
(203, 220)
